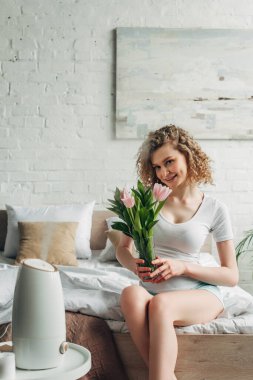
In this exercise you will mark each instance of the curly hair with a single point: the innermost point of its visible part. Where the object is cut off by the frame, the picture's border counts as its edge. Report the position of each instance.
(198, 163)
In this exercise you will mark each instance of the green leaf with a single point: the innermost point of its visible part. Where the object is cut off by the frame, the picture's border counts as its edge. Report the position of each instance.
(151, 225)
(111, 209)
(123, 227)
(136, 236)
(117, 195)
(159, 207)
(151, 214)
(127, 218)
(148, 194)
(113, 202)
(138, 195)
(137, 223)
(140, 187)
(143, 216)
(245, 244)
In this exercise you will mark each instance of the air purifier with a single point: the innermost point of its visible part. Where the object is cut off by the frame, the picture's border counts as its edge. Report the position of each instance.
(38, 317)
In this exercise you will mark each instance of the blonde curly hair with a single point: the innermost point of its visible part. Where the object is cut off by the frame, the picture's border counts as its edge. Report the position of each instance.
(198, 163)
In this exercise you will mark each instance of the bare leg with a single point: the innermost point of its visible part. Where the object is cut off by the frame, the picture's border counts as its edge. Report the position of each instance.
(178, 308)
(151, 322)
(163, 343)
(134, 305)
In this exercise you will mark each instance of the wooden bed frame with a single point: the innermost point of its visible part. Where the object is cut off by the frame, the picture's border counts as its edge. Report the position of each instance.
(200, 357)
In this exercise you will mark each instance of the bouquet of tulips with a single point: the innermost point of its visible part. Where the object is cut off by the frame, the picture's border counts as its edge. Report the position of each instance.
(138, 209)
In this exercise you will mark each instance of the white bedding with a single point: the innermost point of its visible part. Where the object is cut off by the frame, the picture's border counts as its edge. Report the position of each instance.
(94, 289)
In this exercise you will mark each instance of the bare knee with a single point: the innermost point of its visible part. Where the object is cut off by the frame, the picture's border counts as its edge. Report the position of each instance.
(161, 307)
(133, 297)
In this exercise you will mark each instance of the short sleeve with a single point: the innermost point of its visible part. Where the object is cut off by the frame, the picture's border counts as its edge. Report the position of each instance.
(221, 226)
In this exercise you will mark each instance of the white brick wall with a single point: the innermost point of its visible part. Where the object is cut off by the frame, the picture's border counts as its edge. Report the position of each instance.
(57, 92)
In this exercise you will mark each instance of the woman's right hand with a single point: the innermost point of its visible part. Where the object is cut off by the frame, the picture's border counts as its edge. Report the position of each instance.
(142, 272)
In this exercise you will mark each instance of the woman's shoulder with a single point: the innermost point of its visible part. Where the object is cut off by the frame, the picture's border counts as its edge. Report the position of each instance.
(219, 218)
(215, 204)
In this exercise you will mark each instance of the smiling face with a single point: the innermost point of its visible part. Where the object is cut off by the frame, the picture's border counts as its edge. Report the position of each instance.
(170, 166)
(188, 161)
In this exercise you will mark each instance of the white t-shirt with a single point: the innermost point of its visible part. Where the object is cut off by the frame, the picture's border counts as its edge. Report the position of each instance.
(183, 241)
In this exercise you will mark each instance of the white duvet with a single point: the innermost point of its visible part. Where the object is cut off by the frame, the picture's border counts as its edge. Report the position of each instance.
(94, 289)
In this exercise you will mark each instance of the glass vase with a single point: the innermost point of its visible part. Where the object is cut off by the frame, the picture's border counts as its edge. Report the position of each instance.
(145, 248)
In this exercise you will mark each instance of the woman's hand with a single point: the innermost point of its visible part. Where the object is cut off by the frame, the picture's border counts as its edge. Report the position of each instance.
(166, 268)
(142, 272)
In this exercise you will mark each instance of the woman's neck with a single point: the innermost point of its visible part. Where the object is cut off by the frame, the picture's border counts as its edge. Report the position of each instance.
(185, 194)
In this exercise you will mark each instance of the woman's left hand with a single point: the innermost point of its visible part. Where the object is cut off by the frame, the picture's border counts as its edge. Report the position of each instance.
(166, 268)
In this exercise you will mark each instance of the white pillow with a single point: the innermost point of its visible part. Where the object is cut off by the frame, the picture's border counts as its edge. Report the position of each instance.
(108, 253)
(59, 213)
(236, 300)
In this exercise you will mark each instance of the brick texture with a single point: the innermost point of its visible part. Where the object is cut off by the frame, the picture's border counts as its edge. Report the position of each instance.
(57, 96)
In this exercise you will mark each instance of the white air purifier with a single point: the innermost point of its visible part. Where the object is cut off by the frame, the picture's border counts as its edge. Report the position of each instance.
(38, 317)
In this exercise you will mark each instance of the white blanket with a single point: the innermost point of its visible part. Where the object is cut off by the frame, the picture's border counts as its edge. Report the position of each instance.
(94, 289)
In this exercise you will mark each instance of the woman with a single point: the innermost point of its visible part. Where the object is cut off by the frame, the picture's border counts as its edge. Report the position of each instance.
(180, 291)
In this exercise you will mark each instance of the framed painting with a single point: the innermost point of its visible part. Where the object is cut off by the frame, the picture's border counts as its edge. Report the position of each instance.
(198, 79)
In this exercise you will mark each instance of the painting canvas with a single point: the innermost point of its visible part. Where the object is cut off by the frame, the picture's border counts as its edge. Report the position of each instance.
(198, 79)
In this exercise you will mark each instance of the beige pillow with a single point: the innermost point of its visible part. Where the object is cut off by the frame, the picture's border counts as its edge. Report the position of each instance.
(53, 242)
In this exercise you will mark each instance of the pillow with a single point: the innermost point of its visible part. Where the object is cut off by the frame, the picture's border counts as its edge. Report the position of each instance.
(109, 252)
(59, 213)
(53, 242)
(113, 238)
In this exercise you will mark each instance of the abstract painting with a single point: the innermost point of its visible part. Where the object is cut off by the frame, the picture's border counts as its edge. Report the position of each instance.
(198, 79)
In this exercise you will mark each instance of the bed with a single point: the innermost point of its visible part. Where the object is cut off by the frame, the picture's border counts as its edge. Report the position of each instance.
(217, 350)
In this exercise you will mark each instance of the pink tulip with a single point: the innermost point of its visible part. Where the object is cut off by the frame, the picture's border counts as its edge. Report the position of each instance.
(161, 192)
(127, 198)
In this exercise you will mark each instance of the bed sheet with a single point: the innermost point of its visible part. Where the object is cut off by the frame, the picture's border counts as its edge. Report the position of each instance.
(94, 288)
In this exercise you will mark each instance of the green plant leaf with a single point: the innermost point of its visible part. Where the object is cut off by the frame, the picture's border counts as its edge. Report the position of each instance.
(112, 209)
(245, 244)
(159, 207)
(140, 187)
(121, 226)
(138, 195)
(138, 221)
(143, 215)
(152, 224)
(113, 202)
(117, 195)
